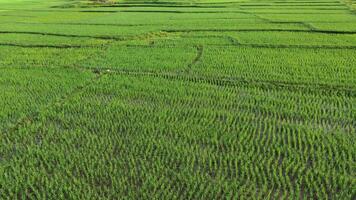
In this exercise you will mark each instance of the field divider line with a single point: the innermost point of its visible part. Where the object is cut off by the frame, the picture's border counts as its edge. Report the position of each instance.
(198, 56)
(50, 46)
(304, 12)
(294, 46)
(261, 30)
(332, 8)
(235, 43)
(153, 5)
(81, 24)
(160, 11)
(64, 35)
(110, 38)
(290, 4)
(234, 81)
(33, 116)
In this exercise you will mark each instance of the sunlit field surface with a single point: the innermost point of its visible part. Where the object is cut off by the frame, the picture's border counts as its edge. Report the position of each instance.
(178, 99)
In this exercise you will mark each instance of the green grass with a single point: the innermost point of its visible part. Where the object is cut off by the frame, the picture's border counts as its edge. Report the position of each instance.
(205, 99)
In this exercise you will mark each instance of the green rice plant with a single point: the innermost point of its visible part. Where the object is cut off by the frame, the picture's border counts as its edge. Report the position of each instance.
(208, 99)
(30, 56)
(298, 65)
(88, 120)
(25, 92)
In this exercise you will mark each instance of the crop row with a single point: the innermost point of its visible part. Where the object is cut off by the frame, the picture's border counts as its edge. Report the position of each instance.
(143, 137)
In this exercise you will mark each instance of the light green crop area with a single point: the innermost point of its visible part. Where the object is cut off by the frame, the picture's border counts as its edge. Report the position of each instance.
(178, 99)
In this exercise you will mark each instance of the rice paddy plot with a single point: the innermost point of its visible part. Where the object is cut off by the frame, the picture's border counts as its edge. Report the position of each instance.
(342, 26)
(172, 136)
(33, 89)
(34, 56)
(28, 39)
(312, 66)
(205, 99)
(149, 58)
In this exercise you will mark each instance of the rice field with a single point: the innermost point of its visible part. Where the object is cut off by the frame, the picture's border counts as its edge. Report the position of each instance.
(178, 99)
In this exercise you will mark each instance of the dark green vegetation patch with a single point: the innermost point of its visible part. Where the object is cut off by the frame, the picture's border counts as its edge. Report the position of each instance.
(208, 99)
